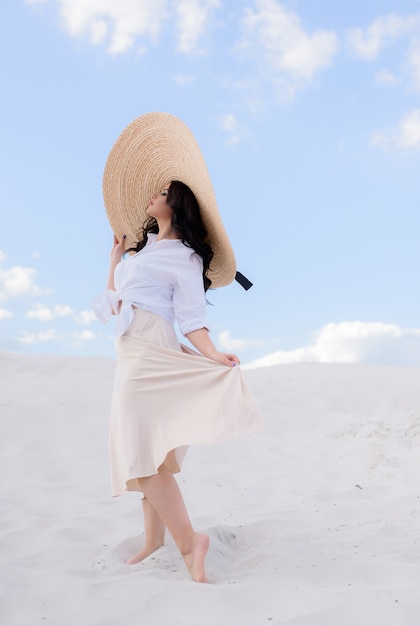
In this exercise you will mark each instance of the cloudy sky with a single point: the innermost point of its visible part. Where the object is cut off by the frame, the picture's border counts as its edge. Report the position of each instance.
(308, 115)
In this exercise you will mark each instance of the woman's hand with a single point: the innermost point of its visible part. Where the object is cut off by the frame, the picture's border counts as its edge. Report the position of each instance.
(116, 256)
(225, 358)
(117, 250)
(200, 339)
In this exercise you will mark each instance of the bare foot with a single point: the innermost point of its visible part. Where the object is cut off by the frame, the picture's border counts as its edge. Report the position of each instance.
(194, 560)
(144, 553)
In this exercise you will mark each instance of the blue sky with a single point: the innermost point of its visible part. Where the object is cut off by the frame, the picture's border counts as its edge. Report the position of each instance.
(308, 115)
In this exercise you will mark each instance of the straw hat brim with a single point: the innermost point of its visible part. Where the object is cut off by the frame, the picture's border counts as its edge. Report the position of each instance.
(153, 150)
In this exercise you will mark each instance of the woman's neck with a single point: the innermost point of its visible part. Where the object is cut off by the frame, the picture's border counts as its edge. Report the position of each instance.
(166, 231)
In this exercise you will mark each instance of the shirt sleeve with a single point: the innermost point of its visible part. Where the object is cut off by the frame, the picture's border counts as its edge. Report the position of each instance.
(189, 298)
(105, 304)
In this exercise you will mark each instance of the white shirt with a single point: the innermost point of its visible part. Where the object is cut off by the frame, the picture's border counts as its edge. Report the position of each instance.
(166, 278)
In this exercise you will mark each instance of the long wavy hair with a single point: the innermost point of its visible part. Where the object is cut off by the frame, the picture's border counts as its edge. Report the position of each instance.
(187, 224)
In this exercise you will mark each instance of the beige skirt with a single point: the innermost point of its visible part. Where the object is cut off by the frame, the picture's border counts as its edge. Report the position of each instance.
(167, 397)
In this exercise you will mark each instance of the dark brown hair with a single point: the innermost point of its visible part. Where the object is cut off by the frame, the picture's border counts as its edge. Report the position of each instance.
(187, 224)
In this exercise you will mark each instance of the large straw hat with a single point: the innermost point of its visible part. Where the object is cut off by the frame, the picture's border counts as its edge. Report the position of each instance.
(153, 150)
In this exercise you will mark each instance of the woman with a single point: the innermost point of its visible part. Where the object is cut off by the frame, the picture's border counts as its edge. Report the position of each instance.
(166, 396)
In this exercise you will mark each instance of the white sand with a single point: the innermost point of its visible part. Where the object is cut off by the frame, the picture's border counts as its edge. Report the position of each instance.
(313, 522)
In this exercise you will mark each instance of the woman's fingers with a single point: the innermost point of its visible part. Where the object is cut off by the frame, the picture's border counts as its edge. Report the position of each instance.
(233, 358)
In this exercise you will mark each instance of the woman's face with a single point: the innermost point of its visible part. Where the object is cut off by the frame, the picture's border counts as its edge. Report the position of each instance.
(158, 206)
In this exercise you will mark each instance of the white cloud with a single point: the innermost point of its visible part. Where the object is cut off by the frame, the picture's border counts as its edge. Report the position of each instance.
(43, 314)
(2, 256)
(18, 281)
(63, 310)
(354, 342)
(385, 78)
(228, 343)
(368, 43)
(4, 314)
(229, 124)
(407, 135)
(183, 79)
(85, 317)
(85, 335)
(41, 337)
(380, 139)
(409, 130)
(193, 17)
(118, 24)
(32, 338)
(99, 31)
(275, 37)
(414, 64)
(46, 314)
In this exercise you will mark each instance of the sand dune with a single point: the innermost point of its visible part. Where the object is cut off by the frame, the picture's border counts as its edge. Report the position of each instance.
(313, 522)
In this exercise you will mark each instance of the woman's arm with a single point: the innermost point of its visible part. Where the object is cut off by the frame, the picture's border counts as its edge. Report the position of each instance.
(116, 256)
(107, 303)
(200, 339)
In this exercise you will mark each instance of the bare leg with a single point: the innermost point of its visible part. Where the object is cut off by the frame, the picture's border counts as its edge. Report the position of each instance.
(155, 533)
(162, 492)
